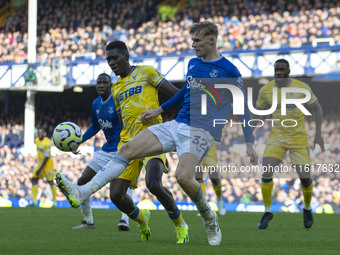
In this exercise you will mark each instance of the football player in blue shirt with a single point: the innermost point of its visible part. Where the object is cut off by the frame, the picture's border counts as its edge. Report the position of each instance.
(191, 134)
(104, 117)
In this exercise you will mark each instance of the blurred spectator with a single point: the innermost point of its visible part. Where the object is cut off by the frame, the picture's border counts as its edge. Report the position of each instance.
(30, 77)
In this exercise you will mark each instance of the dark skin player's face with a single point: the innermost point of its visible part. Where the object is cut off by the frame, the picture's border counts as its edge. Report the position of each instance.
(103, 87)
(41, 134)
(281, 71)
(118, 60)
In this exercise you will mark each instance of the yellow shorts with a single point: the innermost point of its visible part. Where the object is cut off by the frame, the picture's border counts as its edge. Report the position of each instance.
(209, 160)
(298, 151)
(47, 172)
(132, 172)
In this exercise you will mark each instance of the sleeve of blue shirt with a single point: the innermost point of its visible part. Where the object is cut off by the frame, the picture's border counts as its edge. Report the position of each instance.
(247, 130)
(175, 100)
(94, 128)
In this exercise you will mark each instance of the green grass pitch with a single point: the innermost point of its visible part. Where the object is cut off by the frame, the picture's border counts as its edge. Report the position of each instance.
(48, 231)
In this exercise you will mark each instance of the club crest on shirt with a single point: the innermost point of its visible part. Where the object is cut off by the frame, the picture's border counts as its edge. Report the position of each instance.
(97, 111)
(110, 110)
(213, 73)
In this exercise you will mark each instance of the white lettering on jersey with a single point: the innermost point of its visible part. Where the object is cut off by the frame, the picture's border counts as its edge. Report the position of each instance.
(104, 124)
(194, 83)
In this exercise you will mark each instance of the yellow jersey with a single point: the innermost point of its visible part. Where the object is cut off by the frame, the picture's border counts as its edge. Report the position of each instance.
(278, 130)
(44, 150)
(135, 94)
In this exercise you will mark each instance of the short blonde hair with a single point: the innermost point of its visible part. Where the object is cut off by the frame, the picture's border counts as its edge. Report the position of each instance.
(204, 28)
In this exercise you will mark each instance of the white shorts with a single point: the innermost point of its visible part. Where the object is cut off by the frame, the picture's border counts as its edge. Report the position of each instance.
(180, 137)
(100, 159)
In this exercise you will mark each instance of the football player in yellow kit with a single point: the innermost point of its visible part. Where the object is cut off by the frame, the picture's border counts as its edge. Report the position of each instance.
(45, 166)
(293, 139)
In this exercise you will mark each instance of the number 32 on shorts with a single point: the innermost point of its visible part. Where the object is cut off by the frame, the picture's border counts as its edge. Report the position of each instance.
(200, 143)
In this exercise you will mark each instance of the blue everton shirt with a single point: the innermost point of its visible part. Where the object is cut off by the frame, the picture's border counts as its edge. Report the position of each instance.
(201, 79)
(104, 117)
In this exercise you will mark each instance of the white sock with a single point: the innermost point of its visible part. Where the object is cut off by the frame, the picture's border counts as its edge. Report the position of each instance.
(87, 211)
(202, 206)
(307, 208)
(268, 210)
(109, 172)
(125, 217)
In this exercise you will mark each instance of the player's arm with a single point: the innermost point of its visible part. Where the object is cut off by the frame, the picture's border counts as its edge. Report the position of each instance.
(47, 155)
(168, 88)
(171, 103)
(248, 134)
(93, 128)
(261, 104)
(247, 130)
(316, 110)
(120, 119)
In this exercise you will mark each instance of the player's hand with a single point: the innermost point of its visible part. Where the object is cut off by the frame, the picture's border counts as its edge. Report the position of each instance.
(151, 113)
(252, 154)
(38, 171)
(319, 140)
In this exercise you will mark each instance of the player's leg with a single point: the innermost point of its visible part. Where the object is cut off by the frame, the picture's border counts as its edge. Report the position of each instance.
(200, 180)
(144, 144)
(34, 190)
(272, 157)
(35, 179)
(153, 179)
(86, 209)
(54, 192)
(48, 173)
(123, 224)
(124, 202)
(300, 158)
(266, 188)
(216, 182)
(307, 191)
(185, 175)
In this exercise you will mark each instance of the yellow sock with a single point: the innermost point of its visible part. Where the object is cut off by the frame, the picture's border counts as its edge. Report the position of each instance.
(266, 188)
(201, 182)
(35, 192)
(138, 216)
(218, 189)
(176, 217)
(54, 193)
(307, 191)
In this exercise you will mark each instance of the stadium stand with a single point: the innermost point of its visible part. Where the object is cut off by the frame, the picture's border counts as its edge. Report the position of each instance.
(259, 24)
(243, 24)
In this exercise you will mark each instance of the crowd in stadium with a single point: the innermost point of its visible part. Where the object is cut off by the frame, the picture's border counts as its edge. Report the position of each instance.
(16, 170)
(242, 25)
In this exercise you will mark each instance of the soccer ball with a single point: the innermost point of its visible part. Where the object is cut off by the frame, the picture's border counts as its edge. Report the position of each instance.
(67, 136)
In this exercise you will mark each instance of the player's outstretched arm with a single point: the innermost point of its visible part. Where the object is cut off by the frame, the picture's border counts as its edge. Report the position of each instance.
(42, 164)
(318, 115)
(168, 88)
(172, 102)
(151, 113)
